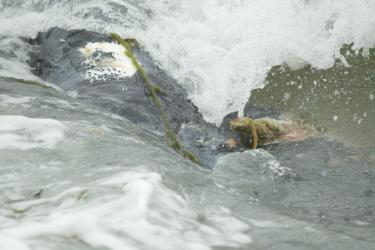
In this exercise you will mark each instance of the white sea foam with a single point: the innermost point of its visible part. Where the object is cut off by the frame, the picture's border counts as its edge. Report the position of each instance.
(19, 132)
(106, 59)
(132, 210)
(8, 243)
(6, 100)
(218, 50)
(279, 170)
(221, 50)
(11, 68)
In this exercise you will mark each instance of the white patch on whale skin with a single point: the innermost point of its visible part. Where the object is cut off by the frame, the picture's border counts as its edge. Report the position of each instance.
(106, 59)
(20, 132)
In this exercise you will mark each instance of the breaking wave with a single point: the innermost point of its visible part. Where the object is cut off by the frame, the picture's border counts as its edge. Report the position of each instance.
(218, 50)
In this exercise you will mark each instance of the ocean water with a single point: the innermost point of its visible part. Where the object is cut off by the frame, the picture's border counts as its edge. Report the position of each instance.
(218, 50)
(76, 177)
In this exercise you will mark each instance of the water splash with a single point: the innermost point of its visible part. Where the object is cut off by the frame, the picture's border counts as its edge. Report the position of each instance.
(218, 50)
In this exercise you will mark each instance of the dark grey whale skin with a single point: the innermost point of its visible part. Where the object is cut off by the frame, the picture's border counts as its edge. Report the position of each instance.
(57, 60)
(332, 182)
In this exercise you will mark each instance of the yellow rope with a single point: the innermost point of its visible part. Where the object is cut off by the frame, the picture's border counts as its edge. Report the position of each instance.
(244, 126)
(171, 137)
(254, 134)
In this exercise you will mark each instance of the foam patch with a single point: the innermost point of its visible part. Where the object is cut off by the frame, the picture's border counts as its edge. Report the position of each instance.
(19, 132)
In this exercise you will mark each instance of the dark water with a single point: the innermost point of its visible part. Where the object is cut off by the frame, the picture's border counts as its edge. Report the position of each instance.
(338, 101)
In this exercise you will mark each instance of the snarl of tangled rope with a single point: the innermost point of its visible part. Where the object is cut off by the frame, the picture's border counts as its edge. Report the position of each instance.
(257, 131)
(246, 126)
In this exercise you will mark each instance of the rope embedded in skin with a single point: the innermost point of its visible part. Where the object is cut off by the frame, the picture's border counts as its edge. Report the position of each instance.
(244, 126)
(171, 137)
(254, 134)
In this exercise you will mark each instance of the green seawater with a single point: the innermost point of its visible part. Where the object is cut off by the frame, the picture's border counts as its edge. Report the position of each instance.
(338, 101)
